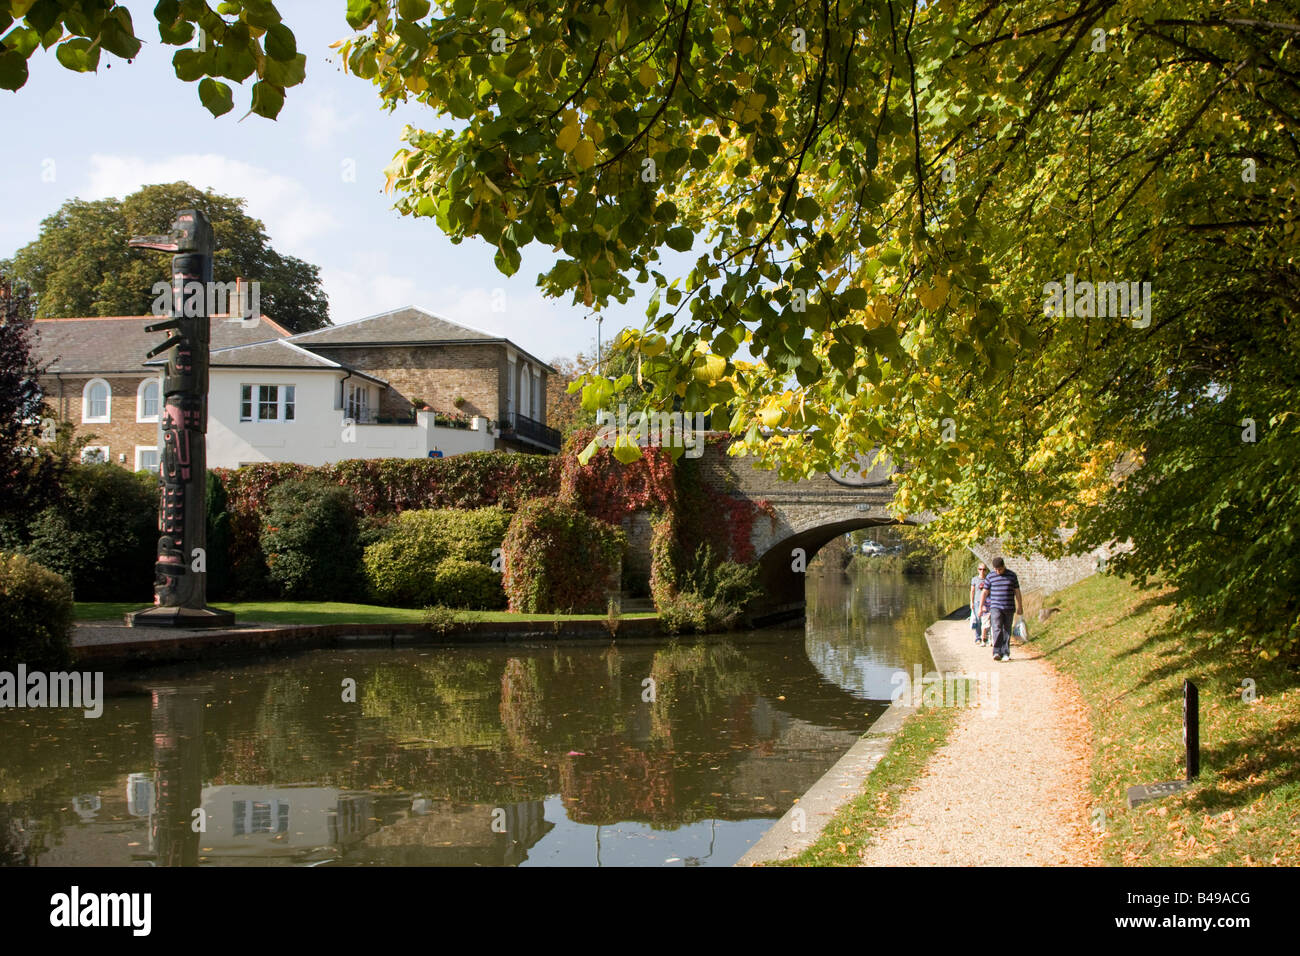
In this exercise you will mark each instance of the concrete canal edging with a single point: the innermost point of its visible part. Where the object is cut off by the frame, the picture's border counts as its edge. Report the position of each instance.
(109, 644)
(804, 822)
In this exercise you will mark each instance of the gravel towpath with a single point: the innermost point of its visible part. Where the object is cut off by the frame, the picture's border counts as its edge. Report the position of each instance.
(1010, 788)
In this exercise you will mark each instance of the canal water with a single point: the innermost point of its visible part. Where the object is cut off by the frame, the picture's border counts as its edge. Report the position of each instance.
(640, 754)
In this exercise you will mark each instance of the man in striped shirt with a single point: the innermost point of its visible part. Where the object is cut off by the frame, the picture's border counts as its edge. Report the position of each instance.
(1000, 593)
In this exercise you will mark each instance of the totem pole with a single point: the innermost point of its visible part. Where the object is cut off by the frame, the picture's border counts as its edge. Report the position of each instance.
(180, 574)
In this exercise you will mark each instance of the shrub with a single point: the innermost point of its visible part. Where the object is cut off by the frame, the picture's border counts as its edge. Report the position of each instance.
(35, 614)
(102, 535)
(712, 595)
(665, 559)
(440, 620)
(558, 559)
(309, 537)
(400, 568)
(218, 545)
(468, 584)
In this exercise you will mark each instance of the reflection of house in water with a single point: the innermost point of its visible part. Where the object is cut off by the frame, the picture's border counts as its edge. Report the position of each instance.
(442, 833)
(269, 822)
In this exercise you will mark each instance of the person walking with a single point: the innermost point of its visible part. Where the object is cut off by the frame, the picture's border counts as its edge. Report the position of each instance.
(1001, 595)
(976, 586)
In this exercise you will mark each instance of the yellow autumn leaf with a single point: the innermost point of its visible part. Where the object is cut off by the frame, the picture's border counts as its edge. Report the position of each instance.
(770, 416)
(568, 138)
(647, 76)
(585, 153)
(709, 368)
(653, 345)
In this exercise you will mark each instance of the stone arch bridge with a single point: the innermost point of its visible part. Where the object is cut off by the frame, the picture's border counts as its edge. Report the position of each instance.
(809, 513)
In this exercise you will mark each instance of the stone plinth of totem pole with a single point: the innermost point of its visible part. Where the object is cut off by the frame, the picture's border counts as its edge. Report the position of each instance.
(180, 573)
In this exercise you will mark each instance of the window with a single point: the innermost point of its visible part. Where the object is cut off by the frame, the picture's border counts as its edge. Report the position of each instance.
(266, 403)
(146, 458)
(146, 401)
(357, 406)
(261, 816)
(525, 391)
(95, 454)
(95, 401)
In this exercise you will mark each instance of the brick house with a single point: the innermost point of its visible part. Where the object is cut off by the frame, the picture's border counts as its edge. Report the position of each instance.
(400, 384)
(428, 360)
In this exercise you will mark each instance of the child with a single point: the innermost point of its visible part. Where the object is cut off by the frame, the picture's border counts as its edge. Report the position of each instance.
(976, 625)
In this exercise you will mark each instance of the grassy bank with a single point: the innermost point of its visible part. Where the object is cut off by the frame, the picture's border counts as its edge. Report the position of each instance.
(326, 612)
(1130, 661)
(847, 835)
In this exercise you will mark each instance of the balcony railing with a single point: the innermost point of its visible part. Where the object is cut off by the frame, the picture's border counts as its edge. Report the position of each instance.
(521, 426)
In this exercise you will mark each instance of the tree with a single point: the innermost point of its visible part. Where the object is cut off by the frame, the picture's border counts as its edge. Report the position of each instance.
(28, 472)
(564, 408)
(252, 41)
(880, 196)
(80, 265)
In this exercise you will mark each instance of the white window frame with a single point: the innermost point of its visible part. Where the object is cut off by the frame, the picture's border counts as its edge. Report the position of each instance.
(86, 417)
(140, 416)
(285, 395)
(142, 448)
(356, 402)
(511, 387)
(108, 458)
(525, 390)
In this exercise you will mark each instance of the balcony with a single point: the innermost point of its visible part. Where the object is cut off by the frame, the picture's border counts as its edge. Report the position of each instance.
(522, 428)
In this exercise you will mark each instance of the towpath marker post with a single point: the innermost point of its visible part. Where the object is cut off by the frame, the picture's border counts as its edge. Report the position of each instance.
(180, 573)
(1191, 748)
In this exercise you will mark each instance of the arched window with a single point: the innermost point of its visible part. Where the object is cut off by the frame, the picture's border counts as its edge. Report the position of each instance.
(95, 401)
(146, 401)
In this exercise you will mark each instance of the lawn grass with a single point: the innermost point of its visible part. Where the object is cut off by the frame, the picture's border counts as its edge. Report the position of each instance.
(853, 826)
(330, 612)
(1130, 660)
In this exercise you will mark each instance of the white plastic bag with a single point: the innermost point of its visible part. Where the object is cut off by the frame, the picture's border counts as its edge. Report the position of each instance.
(1020, 629)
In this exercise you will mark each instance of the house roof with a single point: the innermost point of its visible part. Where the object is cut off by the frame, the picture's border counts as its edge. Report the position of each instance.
(405, 326)
(278, 353)
(119, 343)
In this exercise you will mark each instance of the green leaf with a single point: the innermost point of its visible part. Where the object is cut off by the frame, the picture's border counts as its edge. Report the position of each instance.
(584, 456)
(679, 238)
(13, 70)
(216, 96)
(507, 257)
(268, 99)
(190, 64)
(78, 55)
(22, 40)
(117, 35)
(360, 13)
(807, 209)
(412, 9)
(280, 43)
(286, 74)
(842, 356)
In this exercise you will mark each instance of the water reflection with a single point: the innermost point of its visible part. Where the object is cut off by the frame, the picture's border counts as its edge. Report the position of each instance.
(469, 756)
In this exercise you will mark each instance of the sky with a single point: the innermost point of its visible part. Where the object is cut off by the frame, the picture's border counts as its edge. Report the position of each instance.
(94, 135)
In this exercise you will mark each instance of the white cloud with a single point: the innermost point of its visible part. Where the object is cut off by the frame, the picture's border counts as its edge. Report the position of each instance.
(324, 122)
(292, 214)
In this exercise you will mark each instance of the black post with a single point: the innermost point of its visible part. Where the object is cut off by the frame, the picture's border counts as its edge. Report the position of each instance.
(1192, 729)
(180, 574)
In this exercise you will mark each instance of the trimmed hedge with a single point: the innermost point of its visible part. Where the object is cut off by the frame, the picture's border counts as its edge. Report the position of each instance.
(401, 568)
(381, 487)
(309, 537)
(35, 614)
(558, 559)
(468, 584)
